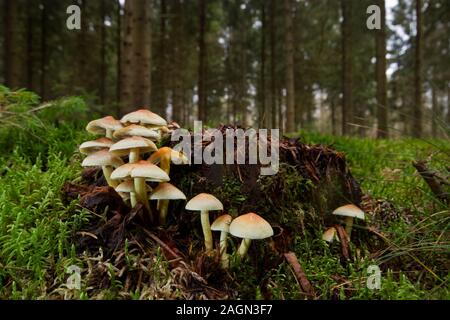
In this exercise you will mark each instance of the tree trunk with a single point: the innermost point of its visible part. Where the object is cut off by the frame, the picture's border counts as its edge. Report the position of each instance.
(273, 87)
(44, 49)
(347, 101)
(435, 114)
(380, 44)
(263, 114)
(162, 63)
(82, 48)
(289, 64)
(30, 47)
(201, 61)
(136, 77)
(102, 52)
(11, 44)
(119, 55)
(333, 116)
(417, 113)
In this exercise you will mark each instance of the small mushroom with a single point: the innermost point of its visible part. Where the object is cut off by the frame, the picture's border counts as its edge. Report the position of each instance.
(163, 193)
(126, 191)
(165, 155)
(204, 203)
(250, 226)
(133, 146)
(106, 126)
(349, 211)
(137, 130)
(330, 235)
(107, 161)
(89, 147)
(143, 117)
(222, 224)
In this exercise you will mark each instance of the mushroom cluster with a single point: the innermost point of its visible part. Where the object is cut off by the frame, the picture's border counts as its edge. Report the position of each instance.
(349, 211)
(129, 157)
(248, 227)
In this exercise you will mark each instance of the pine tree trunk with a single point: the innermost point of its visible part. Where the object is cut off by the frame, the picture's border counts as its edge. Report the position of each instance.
(289, 71)
(11, 44)
(417, 113)
(30, 46)
(136, 56)
(273, 88)
(380, 44)
(162, 99)
(435, 114)
(347, 86)
(44, 49)
(82, 48)
(102, 52)
(262, 114)
(119, 56)
(201, 61)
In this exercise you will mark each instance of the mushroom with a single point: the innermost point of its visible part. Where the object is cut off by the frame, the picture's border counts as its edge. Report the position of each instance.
(132, 146)
(330, 235)
(163, 193)
(124, 172)
(137, 130)
(349, 211)
(89, 147)
(107, 161)
(204, 203)
(106, 126)
(222, 224)
(250, 226)
(164, 155)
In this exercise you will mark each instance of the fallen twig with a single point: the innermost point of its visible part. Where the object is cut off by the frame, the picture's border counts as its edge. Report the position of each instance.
(300, 274)
(432, 179)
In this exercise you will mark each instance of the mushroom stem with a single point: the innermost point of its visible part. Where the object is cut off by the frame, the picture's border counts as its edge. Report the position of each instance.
(243, 248)
(133, 199)
(107, 170)
(141, 194)
(163, 209)
(204, 215)
(134, 155)
(348, 226)
(109, 134)
(223, 248)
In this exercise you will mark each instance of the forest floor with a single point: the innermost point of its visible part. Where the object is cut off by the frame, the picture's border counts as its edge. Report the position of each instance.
(39, 225)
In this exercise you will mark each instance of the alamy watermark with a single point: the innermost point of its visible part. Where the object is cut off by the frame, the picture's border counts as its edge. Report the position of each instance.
(240, 146)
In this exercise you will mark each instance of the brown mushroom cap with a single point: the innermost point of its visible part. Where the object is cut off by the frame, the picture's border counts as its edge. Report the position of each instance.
(349, 210)
(123, 147)
(89, 147)
(123, 171)
(102, 158)
(100, 126)
(222, 223)
(147, 170)
(137, 130)
(167, 191)
(144, 117)
(165, 152)
(329, 235)
(204, 202)
(251, 226)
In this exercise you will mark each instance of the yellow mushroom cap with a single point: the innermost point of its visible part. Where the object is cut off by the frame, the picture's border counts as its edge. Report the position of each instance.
(123, 171)
(147, 170)
(167, 191)
(222, 223)
(123, 147)
(204, 202)
(349, 210)
(89, 147)
(168, 153)
(144, 117)
(100, 126)
(102, 158)
(251, 226)
(329, 235)
(137, 130)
